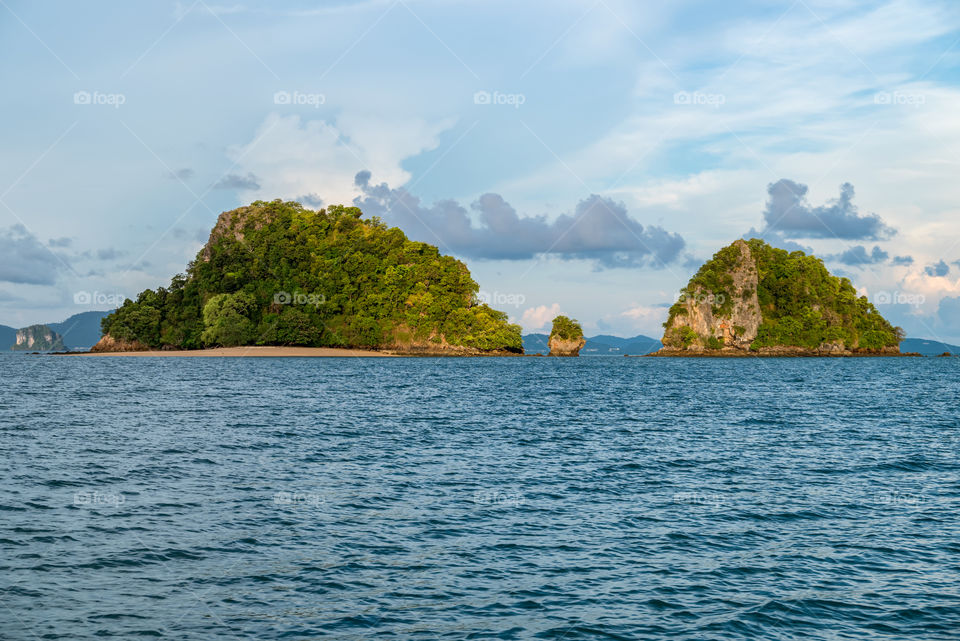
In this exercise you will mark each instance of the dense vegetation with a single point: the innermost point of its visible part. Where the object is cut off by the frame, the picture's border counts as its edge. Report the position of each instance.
(275, 273)
(801, 303)
(566, 329)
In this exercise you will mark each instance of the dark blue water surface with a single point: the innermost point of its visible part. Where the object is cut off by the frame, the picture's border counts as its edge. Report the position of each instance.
(591, 498)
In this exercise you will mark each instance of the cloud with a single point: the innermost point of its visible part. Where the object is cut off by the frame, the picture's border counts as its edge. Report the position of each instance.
(937, 269)
(599, 229)
(110, 254)
(857, 256)
(948, 312)
(25, 260)
(537, 317)
(788, 212)
(60, 242)
(233, 181)
(180, 174)
(902, 260)
(290, 157)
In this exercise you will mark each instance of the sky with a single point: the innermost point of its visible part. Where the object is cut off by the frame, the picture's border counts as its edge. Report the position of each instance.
(582, 157)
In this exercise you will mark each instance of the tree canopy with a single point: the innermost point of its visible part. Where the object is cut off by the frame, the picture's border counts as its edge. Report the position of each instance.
(566, 329)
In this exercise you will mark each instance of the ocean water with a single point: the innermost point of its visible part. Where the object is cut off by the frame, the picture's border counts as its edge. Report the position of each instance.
(591, 498)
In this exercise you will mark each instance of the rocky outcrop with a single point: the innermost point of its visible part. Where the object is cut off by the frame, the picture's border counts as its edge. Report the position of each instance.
(110, 344)
(231, 223)
(38, 338)
(732, 317)
(561, 347)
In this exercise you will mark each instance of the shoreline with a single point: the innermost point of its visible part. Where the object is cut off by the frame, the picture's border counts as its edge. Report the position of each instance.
(255, 351)
(784, 354)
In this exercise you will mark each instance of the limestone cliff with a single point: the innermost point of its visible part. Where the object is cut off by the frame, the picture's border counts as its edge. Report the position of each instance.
(731, 316)
(38, 338)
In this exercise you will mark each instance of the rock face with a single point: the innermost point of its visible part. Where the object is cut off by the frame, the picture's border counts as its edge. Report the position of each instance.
(560, 347)
(732, 317)
(110, 344)
(38, 338)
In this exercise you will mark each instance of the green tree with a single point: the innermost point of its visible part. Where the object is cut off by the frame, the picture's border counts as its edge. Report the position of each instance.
(226, 321)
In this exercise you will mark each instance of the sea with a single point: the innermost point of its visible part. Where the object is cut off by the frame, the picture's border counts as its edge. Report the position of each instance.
(500, 498)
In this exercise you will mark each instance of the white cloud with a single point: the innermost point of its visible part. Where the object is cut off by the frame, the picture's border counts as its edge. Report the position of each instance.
(536, 318)
(636, 319)
(293, 159)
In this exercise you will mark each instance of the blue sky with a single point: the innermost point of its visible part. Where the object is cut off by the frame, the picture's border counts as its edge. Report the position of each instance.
(582, 157)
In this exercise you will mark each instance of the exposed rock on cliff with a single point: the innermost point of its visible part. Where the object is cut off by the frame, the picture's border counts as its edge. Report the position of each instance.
(38, 338)
(753, 298)
(731, 316)
(110, 344)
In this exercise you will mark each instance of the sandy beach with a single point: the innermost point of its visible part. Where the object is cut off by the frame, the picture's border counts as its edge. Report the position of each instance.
(255, 352)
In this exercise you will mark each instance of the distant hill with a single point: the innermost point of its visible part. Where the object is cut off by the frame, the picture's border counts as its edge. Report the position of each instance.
(535, 344)
(8, 336)
(927, 347)
(602, 345)
(80, 331)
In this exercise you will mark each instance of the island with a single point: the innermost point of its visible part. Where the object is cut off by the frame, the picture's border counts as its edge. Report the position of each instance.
(38, 338)
(752, 299)
(566, 337)
(279, 274)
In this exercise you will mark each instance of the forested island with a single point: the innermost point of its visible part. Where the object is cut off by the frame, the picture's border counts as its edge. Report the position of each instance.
(755, 299)
(276, 273)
